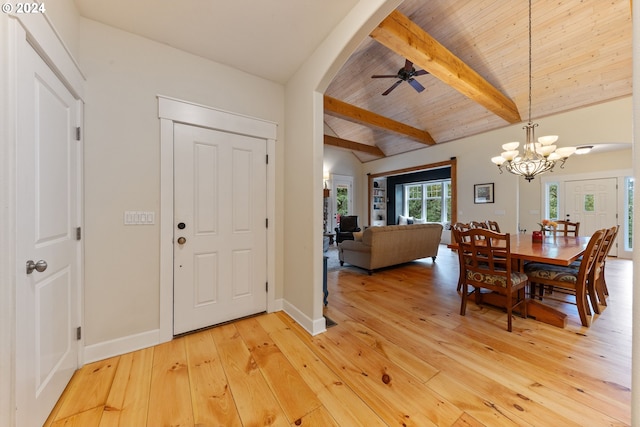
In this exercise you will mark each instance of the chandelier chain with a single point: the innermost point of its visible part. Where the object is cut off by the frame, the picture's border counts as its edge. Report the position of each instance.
(538, 157)
(530, 61)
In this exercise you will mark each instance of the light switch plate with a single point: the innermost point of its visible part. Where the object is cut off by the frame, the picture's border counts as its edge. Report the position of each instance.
(139, 218)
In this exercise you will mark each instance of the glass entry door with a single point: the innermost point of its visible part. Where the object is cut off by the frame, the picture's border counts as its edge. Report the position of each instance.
(342, 197)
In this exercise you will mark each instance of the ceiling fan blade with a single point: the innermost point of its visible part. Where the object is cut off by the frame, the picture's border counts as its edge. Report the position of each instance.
(408, 65)
(420, 73)
(395, 85)
(380, 76)
(417, 86)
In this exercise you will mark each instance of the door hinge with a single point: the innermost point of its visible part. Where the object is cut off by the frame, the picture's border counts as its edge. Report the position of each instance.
(266, 222)
(78, 233)
(79, 333)
(267, 286)
(267, 159)
(78, 133)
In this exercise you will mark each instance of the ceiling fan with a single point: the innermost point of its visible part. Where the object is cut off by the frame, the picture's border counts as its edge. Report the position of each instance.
(405, 74)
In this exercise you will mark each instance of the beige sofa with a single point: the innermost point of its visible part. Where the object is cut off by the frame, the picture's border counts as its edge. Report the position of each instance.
(391, 245)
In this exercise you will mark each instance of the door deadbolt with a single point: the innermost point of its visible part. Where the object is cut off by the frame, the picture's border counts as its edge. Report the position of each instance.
(182, 240)
(39, 266)
(181, 225)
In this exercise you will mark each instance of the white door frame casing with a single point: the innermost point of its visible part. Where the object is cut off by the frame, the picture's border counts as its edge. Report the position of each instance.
(172, 110)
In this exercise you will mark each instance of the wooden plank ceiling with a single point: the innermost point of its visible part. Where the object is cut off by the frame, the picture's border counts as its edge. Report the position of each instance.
(476, 55)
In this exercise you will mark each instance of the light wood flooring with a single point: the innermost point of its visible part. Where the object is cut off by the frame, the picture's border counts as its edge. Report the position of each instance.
(400, 355)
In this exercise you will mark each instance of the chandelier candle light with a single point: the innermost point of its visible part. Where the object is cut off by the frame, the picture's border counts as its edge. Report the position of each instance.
(538, 157)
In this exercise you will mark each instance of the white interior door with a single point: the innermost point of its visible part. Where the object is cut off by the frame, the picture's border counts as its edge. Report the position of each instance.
(220, 234)
(593, 203)
(48, 212)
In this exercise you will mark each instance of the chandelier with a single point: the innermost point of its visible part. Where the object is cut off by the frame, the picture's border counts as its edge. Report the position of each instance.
(539, 156)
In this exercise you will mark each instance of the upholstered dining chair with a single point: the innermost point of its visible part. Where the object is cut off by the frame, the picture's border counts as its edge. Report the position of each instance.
(493, 226)
(571, 278)
(456, 229)
(478, 224)
(485, 258)
(596, 283)
(347, 226)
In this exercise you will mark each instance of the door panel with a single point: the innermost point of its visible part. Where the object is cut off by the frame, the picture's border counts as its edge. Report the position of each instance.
(220, 197)
(48, 205)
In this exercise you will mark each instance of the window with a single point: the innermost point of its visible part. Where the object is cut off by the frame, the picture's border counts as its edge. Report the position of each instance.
(342, 200)
(414, 201)
(589, 203)
(551, 197)
(430, 201)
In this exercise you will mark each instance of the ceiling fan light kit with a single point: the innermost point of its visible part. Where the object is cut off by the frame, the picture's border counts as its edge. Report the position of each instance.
(538, 157)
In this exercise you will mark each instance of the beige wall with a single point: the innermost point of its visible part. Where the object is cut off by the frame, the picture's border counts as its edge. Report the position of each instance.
(122, 163)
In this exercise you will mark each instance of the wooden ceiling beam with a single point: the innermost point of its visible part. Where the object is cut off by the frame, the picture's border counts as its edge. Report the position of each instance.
(352, 113)
(403, 36)
(351, 145)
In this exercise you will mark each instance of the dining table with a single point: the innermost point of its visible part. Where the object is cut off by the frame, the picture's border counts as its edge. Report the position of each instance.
(557, 250)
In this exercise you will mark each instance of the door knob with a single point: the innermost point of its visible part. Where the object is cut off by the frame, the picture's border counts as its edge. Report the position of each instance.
(182, 240)
(39, 266)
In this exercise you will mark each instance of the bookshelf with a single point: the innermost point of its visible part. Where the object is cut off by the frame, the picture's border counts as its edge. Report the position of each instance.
(379, 202)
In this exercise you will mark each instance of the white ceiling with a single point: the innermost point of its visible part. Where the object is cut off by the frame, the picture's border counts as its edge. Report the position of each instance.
(266, 38)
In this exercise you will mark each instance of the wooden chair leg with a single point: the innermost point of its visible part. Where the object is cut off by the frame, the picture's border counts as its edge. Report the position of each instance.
(463, 305)
(587, 306)
(523, 302)
(581, 300)
(593, 297)
(509, 312)
(540, 287)
(601, 289)
(605, 290)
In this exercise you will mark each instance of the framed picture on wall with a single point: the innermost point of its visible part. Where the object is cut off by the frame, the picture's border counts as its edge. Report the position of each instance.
(483, 193)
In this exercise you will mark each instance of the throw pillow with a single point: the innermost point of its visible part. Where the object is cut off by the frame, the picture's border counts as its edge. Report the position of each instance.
(404, 220)
(419, 221)
(357, 236)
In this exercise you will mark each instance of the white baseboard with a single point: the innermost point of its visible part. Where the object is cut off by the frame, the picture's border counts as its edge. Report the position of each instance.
(314, 327)
(276, 306)
(116, 347)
